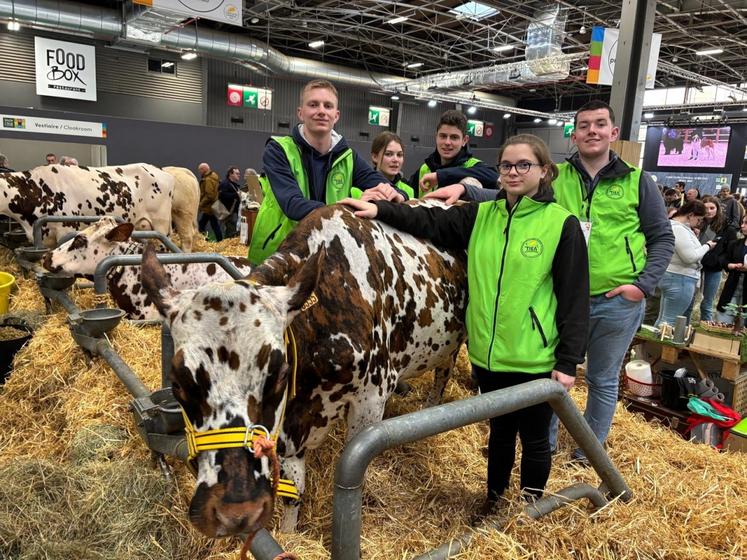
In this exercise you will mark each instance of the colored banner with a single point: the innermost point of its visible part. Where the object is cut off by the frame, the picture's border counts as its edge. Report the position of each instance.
(378, 116)
(248, 96)
(603, 52)
(475, 128)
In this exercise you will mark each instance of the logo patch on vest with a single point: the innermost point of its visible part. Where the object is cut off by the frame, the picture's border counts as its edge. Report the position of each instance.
(532, 247)
(338, 180)
(614, 191)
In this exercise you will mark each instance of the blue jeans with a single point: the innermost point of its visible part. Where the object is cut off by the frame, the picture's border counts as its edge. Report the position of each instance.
(711, 281)
(612, 324)
(677, 291)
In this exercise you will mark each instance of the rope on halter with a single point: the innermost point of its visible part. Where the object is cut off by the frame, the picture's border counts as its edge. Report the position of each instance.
(265, 447)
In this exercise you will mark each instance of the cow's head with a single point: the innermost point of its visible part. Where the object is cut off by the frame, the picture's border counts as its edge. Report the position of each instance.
(230, 370)
(89, 247)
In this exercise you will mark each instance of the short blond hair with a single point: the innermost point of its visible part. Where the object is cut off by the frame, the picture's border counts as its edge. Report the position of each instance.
(318, 84)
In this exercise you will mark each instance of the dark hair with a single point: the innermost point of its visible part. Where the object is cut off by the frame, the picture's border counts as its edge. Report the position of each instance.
(541, 152)
(719, 221)
(694, 207)
(453, 118)
(680, 183)
(51, 154)
(230, 169)
(381, 141)
(317, 84)
(593, 105)
(670, 192)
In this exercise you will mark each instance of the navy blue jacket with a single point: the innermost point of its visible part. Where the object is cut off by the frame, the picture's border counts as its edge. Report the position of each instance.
(285, 187)
(453, 172)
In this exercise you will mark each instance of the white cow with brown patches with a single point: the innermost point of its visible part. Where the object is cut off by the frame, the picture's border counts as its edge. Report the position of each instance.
(367, 306)
(138, 193)
(81, 255)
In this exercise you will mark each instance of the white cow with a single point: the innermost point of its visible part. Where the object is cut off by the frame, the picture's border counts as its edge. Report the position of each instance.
(185, 205)
(81, 254)
(138, 193)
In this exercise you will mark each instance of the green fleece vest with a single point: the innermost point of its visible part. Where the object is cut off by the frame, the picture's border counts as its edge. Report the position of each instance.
(424, 169)
(617, 245)
(355, 192)
(272, 225)
(511, 311)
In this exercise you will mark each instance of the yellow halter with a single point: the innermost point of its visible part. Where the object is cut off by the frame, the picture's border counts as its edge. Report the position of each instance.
(228, 438)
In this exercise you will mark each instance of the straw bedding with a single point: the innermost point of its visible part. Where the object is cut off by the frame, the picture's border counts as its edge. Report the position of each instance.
(77, 482)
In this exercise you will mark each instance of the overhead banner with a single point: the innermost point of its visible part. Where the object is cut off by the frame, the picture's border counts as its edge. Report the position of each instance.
(16, 123)
(475, 128)
(65, 69)
(249, 96)
(378, 116)
(603, 51)
(226, 11)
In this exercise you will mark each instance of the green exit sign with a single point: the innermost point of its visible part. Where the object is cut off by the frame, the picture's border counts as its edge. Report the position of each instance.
(568, 129)
(378, 116)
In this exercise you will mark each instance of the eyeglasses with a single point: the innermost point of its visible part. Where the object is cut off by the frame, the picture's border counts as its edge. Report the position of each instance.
(522, 168)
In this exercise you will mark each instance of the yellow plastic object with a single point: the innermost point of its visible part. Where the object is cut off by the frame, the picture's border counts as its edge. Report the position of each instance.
(6, 283)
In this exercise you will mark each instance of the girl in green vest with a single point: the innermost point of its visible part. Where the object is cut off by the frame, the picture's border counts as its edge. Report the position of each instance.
(388, 157)
(528, 309)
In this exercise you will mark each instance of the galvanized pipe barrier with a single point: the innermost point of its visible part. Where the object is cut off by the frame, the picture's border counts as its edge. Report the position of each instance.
(373, 440)
(62, 298)
(99, 276)
(150, 234)
(38, 224)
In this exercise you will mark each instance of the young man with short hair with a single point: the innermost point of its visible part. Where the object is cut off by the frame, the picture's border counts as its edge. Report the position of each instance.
(452, 161)
(630, 243)
(309, 169)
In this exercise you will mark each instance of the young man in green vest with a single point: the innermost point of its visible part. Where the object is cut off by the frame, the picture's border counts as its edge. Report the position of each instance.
(452, 160)
(312, 167)
(630, 244)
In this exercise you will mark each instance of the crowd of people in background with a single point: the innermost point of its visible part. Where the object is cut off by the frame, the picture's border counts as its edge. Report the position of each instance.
(709, 242)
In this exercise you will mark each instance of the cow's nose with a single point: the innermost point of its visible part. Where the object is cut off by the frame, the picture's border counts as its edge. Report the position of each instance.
(236, 518)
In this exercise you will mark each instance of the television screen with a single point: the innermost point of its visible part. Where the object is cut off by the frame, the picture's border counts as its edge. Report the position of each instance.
(695, 146)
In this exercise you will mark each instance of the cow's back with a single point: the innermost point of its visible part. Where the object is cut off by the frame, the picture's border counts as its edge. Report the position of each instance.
(185, 204)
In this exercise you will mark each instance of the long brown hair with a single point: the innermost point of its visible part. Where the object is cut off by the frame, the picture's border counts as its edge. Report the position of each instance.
(541, 152)
(380, 143)
(719, 221)
(694, 207)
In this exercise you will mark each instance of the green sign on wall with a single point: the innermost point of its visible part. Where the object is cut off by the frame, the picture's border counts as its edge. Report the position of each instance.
(378, 116)
(568, 129)
(250, 98)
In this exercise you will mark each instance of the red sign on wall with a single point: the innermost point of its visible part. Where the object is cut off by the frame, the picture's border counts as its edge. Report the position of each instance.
(235, 95)
(488, 130)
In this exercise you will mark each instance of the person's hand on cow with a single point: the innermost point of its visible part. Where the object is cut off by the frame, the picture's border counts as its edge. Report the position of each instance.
(382, 191)
(362, 208)
(566, 381)
(450, 195)
(428, 182)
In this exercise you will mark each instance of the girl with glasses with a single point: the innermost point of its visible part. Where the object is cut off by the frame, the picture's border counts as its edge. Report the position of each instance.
(528, 309)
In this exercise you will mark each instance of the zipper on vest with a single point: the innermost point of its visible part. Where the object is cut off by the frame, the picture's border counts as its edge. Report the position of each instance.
(500, 277)
(536, 321)
(272, 234)
(630, 253)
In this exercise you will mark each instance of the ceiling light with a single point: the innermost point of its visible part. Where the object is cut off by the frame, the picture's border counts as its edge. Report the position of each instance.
(189, 55)
(414, 65)
(254, 20)
(537, 120)
(14, 26)
(316, 44)
(744, 108)
(166, 64)
(504, 48)
(474, 10)
(397, 20)
(706, 52)
(472, 110)
(675, 59)
(432, 103)
(395, 97)
(552, 121)
(559, 123)
(506, 115)
(648, 115)
(532, 90)
(582, 31)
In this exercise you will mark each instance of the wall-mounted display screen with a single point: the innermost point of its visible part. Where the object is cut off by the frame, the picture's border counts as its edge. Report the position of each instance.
(696, 146)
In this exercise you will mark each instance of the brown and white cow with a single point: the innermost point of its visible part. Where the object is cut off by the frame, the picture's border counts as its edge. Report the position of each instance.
(138, 193)
(368, 305)
(81, 254)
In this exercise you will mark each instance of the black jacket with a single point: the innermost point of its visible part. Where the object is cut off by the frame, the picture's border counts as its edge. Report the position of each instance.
(451, 228)
(732, 254)
(453, 172)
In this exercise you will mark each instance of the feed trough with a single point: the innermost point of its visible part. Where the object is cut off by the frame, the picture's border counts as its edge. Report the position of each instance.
(95, 322)
(13, 239)
(31, 254)
(55, 281)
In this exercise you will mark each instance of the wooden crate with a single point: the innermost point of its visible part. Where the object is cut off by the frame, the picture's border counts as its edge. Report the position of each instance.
(721, 347)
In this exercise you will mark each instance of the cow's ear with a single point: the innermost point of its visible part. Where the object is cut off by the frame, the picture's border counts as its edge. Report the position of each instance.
(120, 233)
(157, 283)
(302, 285)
